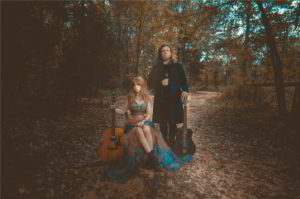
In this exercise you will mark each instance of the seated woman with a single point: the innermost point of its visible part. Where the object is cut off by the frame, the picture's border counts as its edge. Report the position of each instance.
(145, 143)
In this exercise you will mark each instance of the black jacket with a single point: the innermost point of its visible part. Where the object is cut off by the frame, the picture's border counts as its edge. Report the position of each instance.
(168, 105)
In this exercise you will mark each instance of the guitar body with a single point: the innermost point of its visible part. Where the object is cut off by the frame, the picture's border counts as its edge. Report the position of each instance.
(112, 147)
(182, 148)
(184, 144)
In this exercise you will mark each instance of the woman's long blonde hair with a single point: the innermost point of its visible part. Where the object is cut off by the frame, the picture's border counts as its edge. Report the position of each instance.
(143, 94)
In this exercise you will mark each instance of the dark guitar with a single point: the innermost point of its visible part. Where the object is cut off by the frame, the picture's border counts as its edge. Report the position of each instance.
(184, 144)
(112, 147)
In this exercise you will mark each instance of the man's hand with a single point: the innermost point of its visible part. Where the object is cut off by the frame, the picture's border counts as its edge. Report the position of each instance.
(165, 82)
(184, 97)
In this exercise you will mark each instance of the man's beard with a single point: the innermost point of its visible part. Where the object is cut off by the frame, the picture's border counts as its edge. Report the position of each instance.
(166, 59)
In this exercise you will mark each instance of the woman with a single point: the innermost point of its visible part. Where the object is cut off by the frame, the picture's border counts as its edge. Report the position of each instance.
(145, 144)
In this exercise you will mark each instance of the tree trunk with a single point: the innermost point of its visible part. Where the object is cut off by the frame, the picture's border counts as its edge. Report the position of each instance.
(296, 101)
(206, 80)
(120, 52)
(246, 61)
(297, 16)
(138, 48)
(276, 62)
(216, 78)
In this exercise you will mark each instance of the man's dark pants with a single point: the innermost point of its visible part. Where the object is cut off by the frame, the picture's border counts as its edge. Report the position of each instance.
(167, 127)
(168, 133)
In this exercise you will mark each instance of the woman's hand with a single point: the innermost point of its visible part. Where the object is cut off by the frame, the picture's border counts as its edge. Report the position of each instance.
(141, 123)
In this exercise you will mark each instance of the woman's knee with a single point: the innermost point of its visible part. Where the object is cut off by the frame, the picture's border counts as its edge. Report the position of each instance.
(138, 130)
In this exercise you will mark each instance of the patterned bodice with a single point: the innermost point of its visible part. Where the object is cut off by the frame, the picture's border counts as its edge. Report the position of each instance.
(138, 107)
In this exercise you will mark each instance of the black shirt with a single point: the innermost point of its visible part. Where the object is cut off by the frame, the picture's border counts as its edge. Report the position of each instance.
(166, 70)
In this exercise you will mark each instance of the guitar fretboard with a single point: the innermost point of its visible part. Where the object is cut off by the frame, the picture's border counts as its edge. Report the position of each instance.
(113, 116)
(185, 117)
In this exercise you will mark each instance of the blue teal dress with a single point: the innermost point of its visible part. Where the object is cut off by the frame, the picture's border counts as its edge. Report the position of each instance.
(135, 155)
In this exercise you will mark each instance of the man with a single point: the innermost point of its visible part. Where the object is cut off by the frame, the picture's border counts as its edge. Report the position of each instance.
(169, 82)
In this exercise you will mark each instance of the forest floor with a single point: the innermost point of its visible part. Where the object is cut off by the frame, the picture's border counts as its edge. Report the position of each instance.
(243, 151)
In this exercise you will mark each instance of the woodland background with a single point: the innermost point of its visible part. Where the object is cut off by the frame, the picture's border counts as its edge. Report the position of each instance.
(56, 54)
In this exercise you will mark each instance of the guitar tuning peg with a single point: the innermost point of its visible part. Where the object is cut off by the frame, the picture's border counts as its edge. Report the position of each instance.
(112, 106)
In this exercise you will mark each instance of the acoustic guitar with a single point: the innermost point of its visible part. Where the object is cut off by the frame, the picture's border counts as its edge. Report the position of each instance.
(112, 147)
(184, 145)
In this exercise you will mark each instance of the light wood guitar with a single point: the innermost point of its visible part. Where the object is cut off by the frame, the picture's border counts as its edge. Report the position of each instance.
(112, 147)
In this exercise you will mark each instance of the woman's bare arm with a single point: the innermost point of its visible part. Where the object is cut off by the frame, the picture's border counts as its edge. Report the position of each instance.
(148, 115)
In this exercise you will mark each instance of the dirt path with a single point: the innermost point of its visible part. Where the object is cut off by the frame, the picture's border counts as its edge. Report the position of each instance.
(223, 167)
(166, 186)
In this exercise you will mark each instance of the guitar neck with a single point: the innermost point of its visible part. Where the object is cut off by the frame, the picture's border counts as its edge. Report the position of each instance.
(185, 117)
(113, 116)
(113, 119)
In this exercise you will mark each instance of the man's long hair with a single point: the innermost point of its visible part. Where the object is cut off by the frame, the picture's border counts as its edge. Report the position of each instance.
(157, 69)
(159, 58)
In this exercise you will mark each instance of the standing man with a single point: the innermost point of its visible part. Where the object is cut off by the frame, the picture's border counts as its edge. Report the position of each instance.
(169, 82)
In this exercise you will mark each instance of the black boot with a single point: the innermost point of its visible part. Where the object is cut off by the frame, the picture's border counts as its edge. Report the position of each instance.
(153, 161)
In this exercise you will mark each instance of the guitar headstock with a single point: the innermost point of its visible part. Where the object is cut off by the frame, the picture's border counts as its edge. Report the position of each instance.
(113, 111)
(113, 101)
(184, 98)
